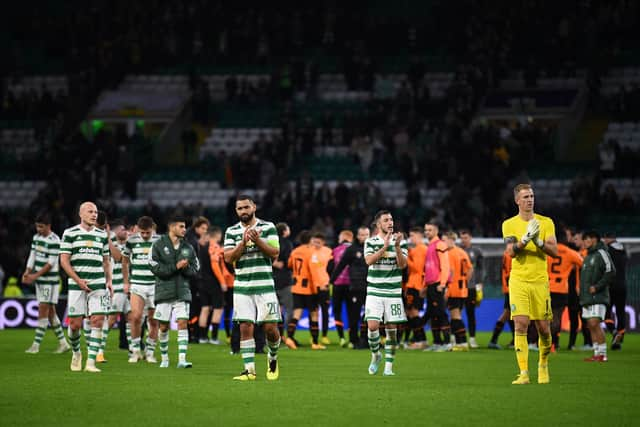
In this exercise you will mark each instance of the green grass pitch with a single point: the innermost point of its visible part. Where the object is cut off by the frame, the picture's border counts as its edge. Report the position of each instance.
(330, 387)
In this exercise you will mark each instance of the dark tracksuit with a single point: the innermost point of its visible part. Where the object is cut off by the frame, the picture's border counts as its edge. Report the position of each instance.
(353, 257)
(618, 289)
(477, 260)
(597, 271)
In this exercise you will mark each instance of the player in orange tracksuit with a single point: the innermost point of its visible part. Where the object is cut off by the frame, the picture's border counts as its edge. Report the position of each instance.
(413, 302)
(458, 289)
(305, 295)
(506, 311)
(559, 269)
(319, 264)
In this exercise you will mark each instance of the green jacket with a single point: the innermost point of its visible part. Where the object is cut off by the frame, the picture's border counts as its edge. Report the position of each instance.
(597, 270)
(172, 284)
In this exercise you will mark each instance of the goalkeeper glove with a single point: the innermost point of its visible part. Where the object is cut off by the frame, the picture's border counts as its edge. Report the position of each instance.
(533, 229)
(479, 294)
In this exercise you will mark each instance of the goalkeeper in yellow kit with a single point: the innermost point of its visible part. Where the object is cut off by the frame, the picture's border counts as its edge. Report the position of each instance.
(530, 238)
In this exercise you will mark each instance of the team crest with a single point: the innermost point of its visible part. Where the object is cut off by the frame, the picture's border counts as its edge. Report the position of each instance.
(513, 307)
(146, 251)
(89, 243)
(166, 251)
(185, 252)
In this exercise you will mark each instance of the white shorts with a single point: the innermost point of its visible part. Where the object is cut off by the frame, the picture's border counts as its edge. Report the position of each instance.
(47, 294)
(81, 303)
(258, 308)
(147, 293)
(120, 303)
(387, 309)
(164, 309)
(594, 311)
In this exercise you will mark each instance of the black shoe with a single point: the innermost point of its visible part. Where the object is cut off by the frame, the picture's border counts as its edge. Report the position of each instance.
(616, 346)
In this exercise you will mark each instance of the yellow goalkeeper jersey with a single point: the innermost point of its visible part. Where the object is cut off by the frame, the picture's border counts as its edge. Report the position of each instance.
(530, 264)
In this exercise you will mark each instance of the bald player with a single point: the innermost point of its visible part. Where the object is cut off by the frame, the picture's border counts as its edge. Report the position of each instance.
(84, 256)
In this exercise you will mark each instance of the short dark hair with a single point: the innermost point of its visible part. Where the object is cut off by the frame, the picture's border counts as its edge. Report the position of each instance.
(43, 218)
(117, 222)
(433, 222)
(379, 215)
(199, 221)
(245, 197)
(145, 222)
(304, 236)
(592, 234)
(175, 218)
(416, 229)
(213, 230)
(102, 219)
(610, 234)
(280, 227)
(465, 231)
(319, 235)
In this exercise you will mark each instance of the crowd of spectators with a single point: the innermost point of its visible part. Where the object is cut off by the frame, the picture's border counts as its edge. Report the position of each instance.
(428, 142)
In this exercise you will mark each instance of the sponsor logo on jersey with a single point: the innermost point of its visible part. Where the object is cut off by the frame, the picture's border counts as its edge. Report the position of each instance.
(89, 250)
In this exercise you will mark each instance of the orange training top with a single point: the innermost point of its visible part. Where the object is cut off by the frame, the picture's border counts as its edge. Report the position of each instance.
(460, 265)
(560, 268)
(300, 268)
(415, 263)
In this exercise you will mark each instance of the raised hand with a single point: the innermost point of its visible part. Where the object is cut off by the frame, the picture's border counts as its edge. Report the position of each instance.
(253, 235)
(387, 239)
(533, 229)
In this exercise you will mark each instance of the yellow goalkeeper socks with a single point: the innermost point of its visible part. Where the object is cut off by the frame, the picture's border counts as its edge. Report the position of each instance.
(544, 345)
(522, 351)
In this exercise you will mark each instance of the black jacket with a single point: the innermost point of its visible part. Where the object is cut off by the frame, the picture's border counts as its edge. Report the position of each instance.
(206, 276)
(282, 276)
(619, 257)
(354, 258)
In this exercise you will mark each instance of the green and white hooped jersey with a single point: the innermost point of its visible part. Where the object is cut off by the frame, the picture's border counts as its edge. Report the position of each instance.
(253, 271)
(138, 251)
(87, 250)
(384, 278)
(117, 279)
(45, 250)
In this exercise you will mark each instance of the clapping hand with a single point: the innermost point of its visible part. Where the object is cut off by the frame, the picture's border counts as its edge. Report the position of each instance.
(387, 239)
(253, 235)
(533, 229)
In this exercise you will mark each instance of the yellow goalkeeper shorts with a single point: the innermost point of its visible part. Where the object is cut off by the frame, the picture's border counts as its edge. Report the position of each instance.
(530, 299)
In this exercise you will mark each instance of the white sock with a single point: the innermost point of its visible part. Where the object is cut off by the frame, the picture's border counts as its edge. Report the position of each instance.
(183, 344)
(603, 349)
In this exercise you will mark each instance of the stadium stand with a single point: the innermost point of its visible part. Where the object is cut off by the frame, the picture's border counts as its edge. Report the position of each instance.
(371, 98)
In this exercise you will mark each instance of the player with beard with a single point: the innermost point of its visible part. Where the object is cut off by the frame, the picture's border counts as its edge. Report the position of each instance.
(252, 244)
(386, 254)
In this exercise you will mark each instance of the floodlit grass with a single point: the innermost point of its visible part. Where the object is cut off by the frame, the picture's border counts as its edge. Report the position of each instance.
(328, 387)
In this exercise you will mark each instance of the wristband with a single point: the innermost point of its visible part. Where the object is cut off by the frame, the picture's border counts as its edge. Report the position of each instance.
(539, 243)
